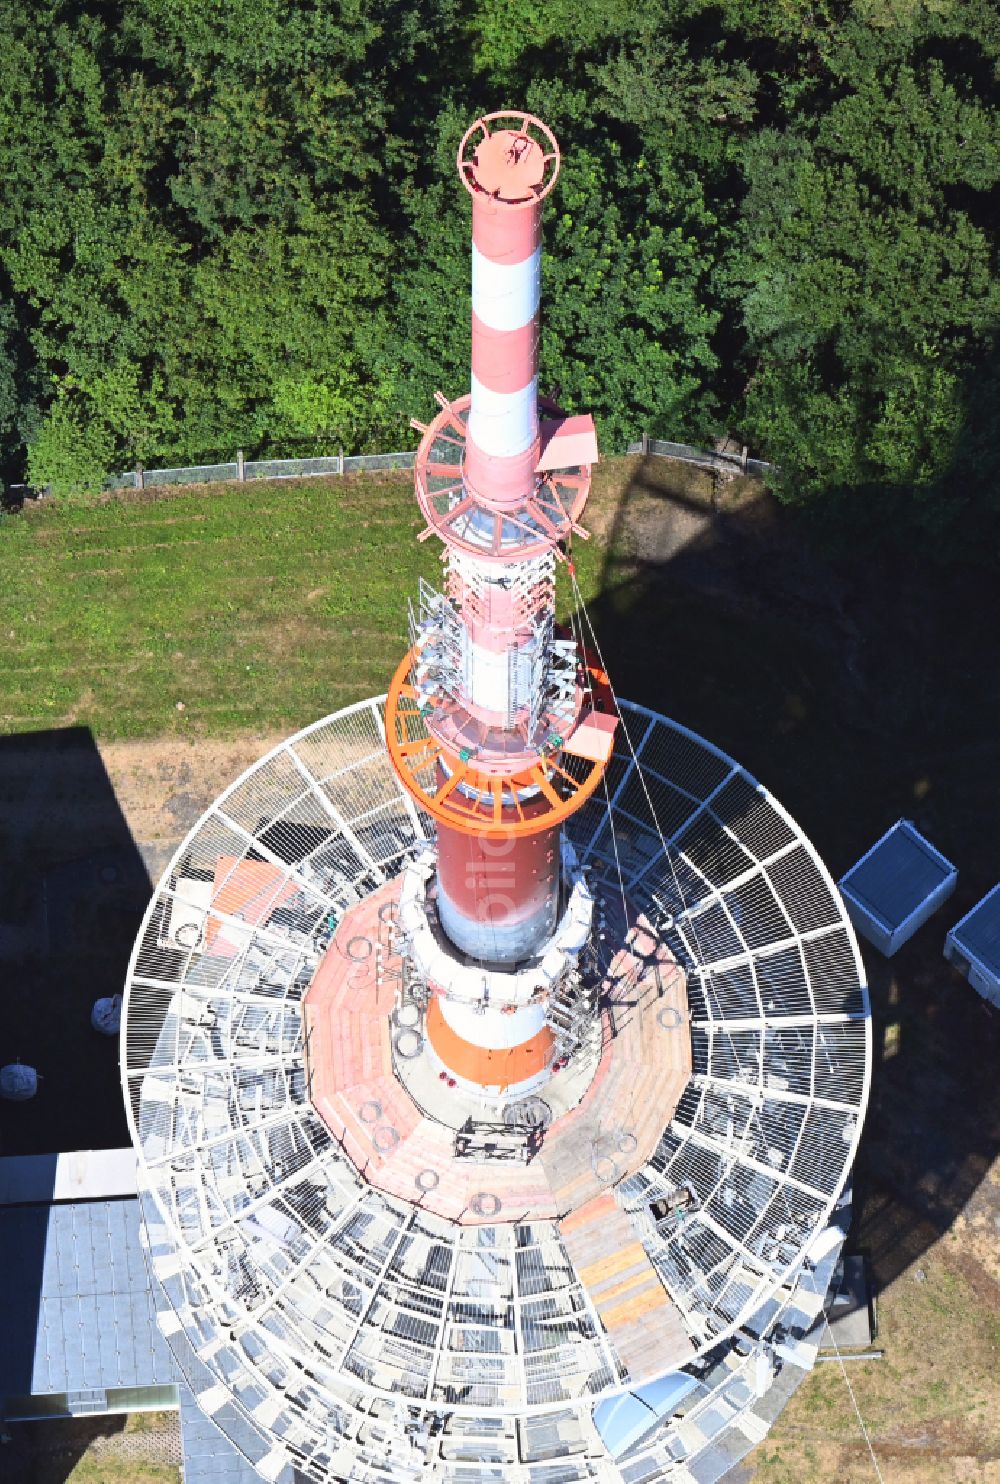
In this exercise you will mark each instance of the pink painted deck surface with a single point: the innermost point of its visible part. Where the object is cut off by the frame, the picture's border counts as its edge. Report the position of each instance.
(509, 165)
(594, 738)
(247, 890)
(644, 1068)
(567, 442)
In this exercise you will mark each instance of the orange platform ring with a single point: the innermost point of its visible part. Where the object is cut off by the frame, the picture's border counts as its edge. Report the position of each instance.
(413, 750)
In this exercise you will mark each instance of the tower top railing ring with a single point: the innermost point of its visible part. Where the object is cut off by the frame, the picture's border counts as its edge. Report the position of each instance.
(510, 156)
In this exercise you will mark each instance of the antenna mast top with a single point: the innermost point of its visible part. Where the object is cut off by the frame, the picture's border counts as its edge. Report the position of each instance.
(515, 162)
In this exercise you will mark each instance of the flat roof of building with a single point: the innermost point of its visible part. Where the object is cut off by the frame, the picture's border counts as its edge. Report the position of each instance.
(978, 932)
(76, 1300)
(895, 877)
(77, 1175)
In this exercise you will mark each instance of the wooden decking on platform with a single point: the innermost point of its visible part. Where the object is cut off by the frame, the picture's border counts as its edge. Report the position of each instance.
(631, 1302)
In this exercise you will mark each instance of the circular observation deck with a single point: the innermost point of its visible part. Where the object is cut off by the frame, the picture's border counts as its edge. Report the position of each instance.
(477, 782)
(324, 1322)
(465, 521)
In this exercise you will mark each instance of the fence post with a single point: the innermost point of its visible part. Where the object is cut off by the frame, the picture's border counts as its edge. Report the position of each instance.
(645, 444)
(140, 477)
(241, 470)
(743, 458)
(340, 462)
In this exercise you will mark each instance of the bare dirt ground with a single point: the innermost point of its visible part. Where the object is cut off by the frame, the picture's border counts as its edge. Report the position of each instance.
(164, 784)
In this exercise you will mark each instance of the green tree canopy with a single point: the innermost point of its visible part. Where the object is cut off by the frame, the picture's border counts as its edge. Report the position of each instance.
(238, 224)
(865, 272)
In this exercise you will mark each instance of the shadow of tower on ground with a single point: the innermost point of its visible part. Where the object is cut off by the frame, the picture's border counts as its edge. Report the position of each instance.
(73, 888)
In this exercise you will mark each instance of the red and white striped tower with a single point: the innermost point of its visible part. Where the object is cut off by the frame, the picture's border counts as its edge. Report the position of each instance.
(507, 176)
(494, 721)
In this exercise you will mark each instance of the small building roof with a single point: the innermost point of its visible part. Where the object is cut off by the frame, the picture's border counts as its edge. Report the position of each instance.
(77, 1175)
(75, 1296)
(977, 935)
(78, 1306)
(895, 877)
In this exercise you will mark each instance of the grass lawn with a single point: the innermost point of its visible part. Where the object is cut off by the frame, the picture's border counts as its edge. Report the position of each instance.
(93, 1469)
(929, 1406)
(260, 606)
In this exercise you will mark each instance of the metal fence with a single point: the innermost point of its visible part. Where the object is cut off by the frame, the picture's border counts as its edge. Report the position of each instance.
(720, 461)
(241, 470)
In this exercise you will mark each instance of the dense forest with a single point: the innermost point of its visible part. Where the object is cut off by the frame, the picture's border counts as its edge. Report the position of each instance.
(236, 223)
